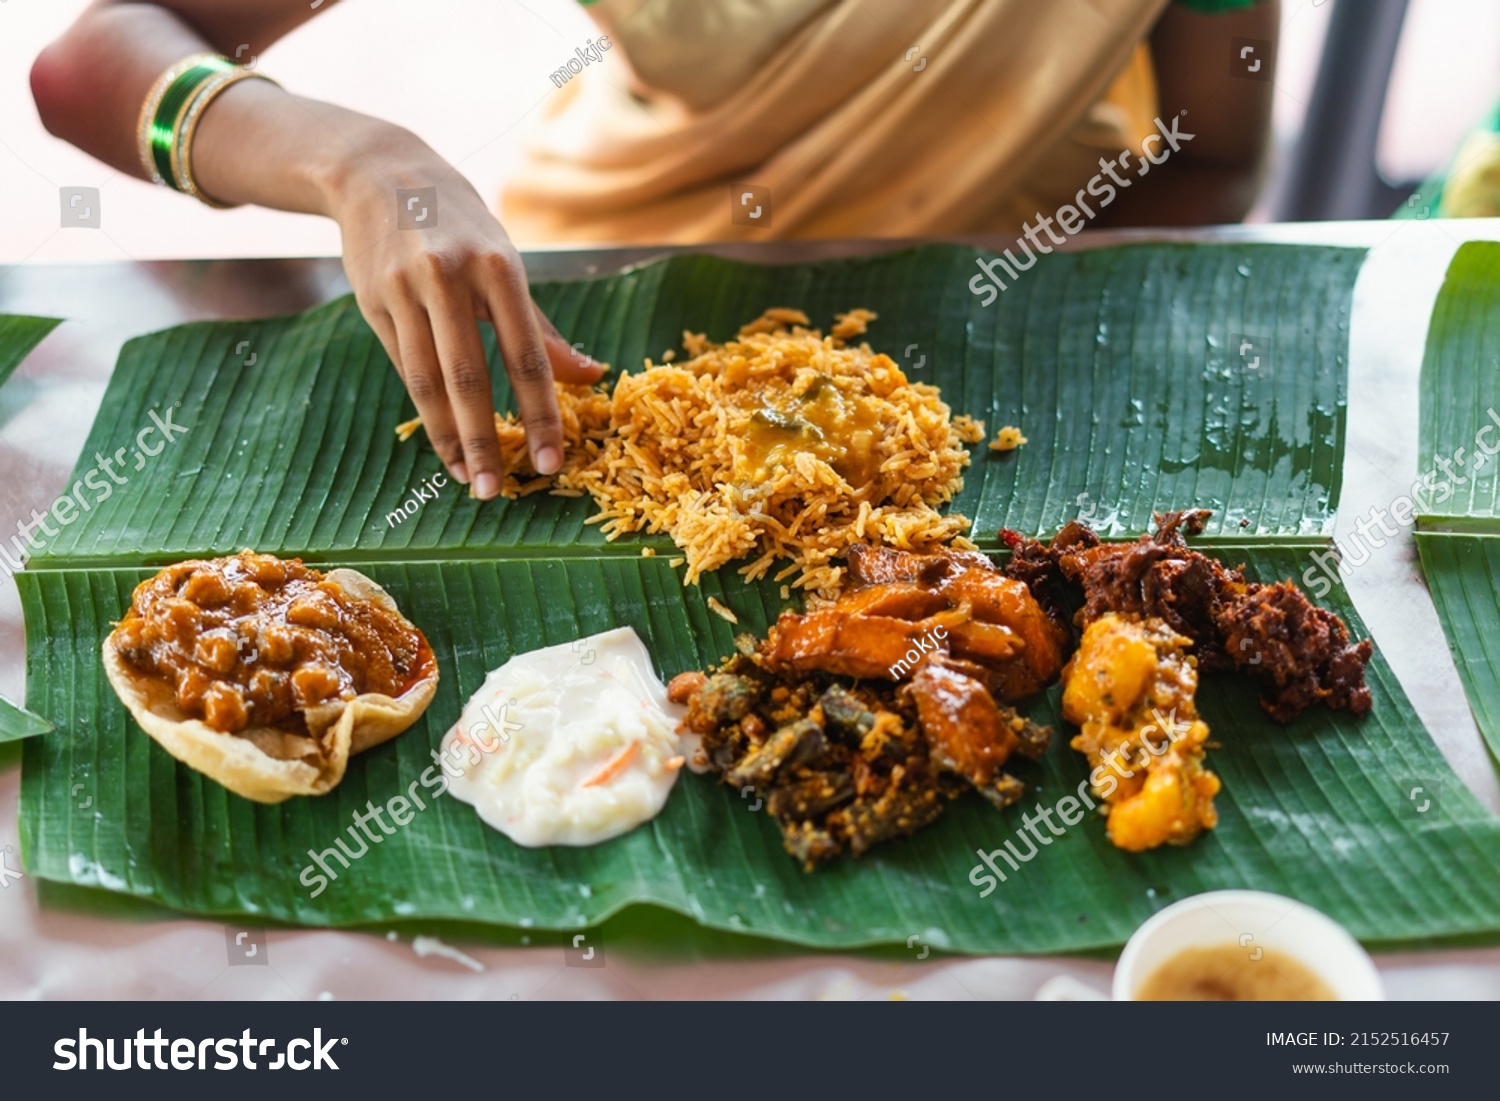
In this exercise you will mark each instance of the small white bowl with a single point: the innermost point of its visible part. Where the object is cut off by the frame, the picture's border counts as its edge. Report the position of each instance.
(1251, 919)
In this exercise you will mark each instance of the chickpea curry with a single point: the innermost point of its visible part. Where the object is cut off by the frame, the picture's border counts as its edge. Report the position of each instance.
(254, 641)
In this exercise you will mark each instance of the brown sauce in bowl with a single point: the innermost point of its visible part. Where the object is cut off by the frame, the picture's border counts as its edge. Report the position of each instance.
(253, 640)
(1230, 973)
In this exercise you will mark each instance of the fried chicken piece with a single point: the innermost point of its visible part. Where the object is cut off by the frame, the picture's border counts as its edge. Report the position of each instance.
(845, 766)
(993, 598)
(1130, 690)
(964, 729)
(991, 644)
(900, 599)
(864, 646)
(1032, 739)
(969, 734)
(1299, 653)
(904, 608)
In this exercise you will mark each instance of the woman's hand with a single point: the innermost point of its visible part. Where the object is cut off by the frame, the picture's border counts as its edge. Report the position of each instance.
(423, 289)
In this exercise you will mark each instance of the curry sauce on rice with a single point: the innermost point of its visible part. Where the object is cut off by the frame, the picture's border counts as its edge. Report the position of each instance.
(779, 444)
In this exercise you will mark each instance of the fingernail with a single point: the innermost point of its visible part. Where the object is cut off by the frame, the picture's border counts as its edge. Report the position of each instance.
(486, 485)
(460, 473)
(547, 461)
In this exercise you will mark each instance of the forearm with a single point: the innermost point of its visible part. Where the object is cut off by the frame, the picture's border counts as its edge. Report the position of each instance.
(256, 144)
(260, 144)
(422, 293)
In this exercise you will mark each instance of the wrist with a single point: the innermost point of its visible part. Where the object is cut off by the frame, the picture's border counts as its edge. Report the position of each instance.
(373, 158)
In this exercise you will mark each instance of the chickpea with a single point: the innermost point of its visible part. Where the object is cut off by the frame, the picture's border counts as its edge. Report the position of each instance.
(192, 684)
(207, 589)
(224, 708)
(264, 570)
(179, 621)
(276, 644)
(314, 683)
(313, 609)
(217, 650)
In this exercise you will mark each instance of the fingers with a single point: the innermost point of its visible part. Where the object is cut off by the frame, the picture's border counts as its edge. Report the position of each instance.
(569, 363)
(433, 338)
(417, 361)
(529, 364)
(466, 378)
(385, 328)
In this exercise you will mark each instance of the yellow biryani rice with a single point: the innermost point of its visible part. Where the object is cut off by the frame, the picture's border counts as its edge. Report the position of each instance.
(782, 446)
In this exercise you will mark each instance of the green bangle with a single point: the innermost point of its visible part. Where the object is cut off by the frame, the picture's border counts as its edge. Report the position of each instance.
(164, 125)
(148, 112)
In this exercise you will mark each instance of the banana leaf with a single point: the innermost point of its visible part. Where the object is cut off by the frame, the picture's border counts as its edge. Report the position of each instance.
(1460, 396)
(18, 335)
(1317, 811)
(1463, 574)
(1121, 366)
(17, 723)
(1145, 377)
(1460, 424)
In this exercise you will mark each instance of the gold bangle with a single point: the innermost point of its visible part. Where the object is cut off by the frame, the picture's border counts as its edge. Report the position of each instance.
(149, 107)
(186, 130)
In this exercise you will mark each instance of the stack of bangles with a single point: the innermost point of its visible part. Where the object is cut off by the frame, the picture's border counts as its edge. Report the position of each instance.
(171, 113)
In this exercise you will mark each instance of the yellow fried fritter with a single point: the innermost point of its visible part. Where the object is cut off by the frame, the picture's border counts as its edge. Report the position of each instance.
(1130, 689)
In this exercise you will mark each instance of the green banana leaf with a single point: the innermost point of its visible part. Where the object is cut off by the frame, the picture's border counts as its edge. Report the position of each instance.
(1463, 574)
(1460, 517)
(17, 723)
(1119, 365)
(1460, 395)
(18, 335)
(1145, 377)
(1317, 811)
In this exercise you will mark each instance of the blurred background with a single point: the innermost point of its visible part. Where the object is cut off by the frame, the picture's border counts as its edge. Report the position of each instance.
(1371, 98)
